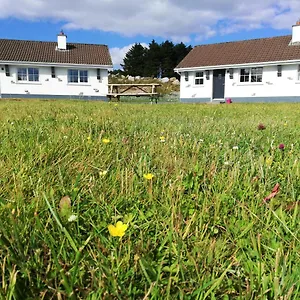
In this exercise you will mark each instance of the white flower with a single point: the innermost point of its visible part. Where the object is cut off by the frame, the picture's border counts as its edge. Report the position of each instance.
(235, 147)
(226, 163)
(201, 141)
(72, 218)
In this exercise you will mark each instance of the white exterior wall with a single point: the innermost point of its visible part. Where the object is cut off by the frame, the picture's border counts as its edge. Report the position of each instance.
(54, 86)
(189, 90)
(272, 86)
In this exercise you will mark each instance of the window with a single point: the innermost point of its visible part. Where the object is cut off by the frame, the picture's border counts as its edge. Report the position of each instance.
(83, 76)
(251, 75)
(33, 74)
(75, 76)
(199, 79)
(231, 73)
(28, 74)
(298, 72)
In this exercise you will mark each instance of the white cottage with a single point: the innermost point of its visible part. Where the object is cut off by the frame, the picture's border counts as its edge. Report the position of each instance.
(33, 69)
(259, 70)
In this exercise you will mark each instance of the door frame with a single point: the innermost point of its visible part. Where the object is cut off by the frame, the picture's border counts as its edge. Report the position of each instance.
(213, 71)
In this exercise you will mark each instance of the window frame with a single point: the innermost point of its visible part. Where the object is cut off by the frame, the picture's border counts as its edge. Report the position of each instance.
(28, 75)
(250, 74)
(79, 76)
(199, 79)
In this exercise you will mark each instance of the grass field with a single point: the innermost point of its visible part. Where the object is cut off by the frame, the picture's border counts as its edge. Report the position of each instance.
(199, 229)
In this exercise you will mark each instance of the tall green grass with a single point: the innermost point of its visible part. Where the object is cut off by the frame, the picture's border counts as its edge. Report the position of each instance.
(198, 230)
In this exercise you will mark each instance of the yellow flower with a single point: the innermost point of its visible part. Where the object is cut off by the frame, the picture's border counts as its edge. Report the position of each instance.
(89, 139)
(105, 141)
(162, 139)
(148, 176)
(103, 173)
(118, 230)
(269, 161)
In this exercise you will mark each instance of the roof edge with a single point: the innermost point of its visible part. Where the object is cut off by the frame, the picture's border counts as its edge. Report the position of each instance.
(283, 62)
(246, 40)
(42, 64)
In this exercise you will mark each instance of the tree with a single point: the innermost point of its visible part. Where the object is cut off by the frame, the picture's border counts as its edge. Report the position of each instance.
(181, 51)
(152, 60)
(134, 60)
(168, 59)
(159, 60)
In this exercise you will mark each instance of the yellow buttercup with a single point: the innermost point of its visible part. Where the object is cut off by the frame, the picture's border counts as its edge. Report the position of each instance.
(118, 229)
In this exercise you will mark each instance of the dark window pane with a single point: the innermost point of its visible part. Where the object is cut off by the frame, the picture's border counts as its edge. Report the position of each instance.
(33, 74)
(72, 75)
(83, 76)
(244, 71)
(22, 74)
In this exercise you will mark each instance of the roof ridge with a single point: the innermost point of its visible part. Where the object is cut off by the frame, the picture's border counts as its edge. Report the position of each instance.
(245, 40)
(35, 41)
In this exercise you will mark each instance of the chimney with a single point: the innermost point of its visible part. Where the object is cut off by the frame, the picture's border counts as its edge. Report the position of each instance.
(61, 41)
(296, 33)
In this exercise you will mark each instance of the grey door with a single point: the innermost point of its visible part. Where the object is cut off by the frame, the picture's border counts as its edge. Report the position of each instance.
(219, 84)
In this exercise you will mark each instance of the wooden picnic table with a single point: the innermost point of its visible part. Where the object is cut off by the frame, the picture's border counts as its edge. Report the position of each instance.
(118, 90)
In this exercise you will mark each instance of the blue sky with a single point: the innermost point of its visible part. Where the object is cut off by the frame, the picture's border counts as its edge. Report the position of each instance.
(119, 24)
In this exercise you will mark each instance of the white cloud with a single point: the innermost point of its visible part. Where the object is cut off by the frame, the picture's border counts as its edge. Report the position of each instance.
(118, 54)
(174, 19)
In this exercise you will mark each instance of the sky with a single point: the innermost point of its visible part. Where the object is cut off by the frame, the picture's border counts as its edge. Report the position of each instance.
(119, 23)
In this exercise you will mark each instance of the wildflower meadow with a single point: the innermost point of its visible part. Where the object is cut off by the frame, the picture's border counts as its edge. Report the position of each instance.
(139, 201)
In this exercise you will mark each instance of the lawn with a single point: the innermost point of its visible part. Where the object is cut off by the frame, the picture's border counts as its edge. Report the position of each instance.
(188, 183)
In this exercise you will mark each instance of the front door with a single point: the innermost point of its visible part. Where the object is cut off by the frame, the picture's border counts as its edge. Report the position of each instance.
(219, 84)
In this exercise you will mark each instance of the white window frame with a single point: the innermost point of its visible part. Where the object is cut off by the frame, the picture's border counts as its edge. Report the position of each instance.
(252, 75)
(79, 76)
(27, 76)
(199, 78)
(298, 77)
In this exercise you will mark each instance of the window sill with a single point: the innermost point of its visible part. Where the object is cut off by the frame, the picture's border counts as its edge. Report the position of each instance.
(29, 82)
(78, 84)
(198, 85)
(249, 83)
